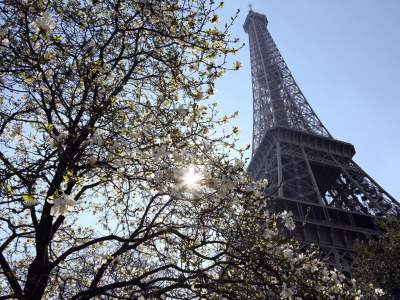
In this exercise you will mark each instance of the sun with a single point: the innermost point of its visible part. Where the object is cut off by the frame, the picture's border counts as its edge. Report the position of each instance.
(192, 177)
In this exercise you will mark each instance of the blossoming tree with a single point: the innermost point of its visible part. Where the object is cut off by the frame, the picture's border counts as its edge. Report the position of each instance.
(114, 181)
(378, 260)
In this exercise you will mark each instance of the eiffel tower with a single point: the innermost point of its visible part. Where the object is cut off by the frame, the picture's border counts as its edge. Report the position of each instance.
(310, 173)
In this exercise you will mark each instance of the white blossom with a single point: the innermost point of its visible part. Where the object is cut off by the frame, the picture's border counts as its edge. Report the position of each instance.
(286, 292)
(5, 42)
(97, 138)
(379, 292)
(325, 274)
(61, 205)
(16, 131)
(313, 267)
(268, 233)
(118, 163)
(288, 254)
(288, 220)
(45, 23)
(57, 140)
(49, 72)
(181, 110)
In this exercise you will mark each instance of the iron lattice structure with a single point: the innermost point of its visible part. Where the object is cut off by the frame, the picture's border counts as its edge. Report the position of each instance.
(310, 173)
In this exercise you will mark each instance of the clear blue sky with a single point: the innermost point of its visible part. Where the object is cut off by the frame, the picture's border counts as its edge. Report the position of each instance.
(345, 56)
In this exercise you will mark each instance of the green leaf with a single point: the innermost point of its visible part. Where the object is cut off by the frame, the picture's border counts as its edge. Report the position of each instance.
(27, 197)
(8, 188)
(49, 126)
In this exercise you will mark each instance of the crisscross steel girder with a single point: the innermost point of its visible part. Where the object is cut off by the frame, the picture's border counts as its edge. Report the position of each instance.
(277, 99)
(310, 173)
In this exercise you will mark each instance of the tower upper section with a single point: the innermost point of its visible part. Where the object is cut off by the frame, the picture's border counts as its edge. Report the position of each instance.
(277, 100)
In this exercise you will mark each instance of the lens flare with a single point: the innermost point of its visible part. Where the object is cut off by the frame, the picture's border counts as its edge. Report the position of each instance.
(192, 177)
